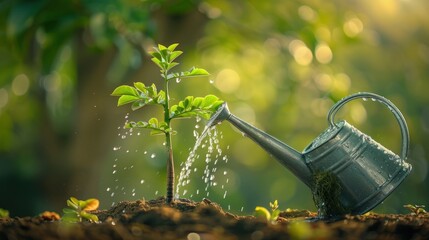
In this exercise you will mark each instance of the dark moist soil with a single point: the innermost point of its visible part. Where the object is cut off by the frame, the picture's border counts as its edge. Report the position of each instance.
(185, 219)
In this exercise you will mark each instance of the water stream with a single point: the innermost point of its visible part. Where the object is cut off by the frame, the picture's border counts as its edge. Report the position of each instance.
(207, 149)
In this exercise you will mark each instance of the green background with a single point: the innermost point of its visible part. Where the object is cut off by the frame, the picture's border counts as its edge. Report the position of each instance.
(280, 65)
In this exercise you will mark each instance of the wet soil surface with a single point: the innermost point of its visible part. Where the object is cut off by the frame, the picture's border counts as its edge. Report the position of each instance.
(185, 219)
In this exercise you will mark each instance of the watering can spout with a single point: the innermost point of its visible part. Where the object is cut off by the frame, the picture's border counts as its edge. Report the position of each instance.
(286, 155)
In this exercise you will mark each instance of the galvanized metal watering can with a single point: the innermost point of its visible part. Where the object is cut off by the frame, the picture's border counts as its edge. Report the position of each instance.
(347, 171)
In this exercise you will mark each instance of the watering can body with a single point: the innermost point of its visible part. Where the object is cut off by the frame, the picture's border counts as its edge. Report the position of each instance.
(347, 171)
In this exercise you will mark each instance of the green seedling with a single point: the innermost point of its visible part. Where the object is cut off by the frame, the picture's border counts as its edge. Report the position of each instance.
(264, 212)
(415, 209)
(4, 213)
(77, 210)
(140, 95)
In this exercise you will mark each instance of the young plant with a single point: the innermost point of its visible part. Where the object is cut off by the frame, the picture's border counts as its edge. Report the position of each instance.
(140, 95)
(263, 212)
(415, 209)
(4, 213)
(78, 210)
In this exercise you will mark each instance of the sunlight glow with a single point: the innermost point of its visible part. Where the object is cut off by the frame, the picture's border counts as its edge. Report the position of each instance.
(352, 27)
(301, 53)
(323, 53)
(323, 82)
(307, 13)
(20, 85)
(227, 81)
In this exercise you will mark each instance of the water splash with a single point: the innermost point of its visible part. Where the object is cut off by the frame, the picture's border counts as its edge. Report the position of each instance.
(126, 161)
(208, 143)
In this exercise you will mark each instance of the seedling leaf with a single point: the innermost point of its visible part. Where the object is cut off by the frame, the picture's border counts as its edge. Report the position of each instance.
(175, 54)
(125, 99)
(91, 204)
(4, 213)
(125, 90)
(199, 72)
(172, 46)
(78, 210)
(90, 217)
(263, 212)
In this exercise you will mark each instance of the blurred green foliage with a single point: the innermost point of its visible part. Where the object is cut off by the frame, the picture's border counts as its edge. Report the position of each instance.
(280, 65)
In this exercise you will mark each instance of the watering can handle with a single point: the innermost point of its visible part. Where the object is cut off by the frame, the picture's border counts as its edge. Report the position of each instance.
(366, 95)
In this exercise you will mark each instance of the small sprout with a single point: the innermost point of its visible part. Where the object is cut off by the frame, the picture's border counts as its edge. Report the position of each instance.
(270, 216)
(50, 216)
(78, 210)
(415, 209)
(4, 213)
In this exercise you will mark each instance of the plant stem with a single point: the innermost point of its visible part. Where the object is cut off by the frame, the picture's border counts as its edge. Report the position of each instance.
(169, 146)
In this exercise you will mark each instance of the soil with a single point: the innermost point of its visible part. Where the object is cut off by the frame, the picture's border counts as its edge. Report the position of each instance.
(185, 219)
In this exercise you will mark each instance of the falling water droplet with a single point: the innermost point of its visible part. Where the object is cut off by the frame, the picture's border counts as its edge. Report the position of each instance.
(153, 155)
(211, 81)
(178, 80)
(142, 181)
(108, 189)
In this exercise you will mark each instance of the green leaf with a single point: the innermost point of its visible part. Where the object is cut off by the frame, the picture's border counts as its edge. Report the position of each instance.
(199, 72)
(275, 215)
(197, 102)
(160, 99)
(209, 100)
(68, 210)
(71, 217)
(138, 104)
(4, 213)
(157, 62)
(73, 203)
(162, 47)
(125, 99)
(125, 90)
(175, 54)
(152, 91)
(82, 204)
(262, 212)
(172, 46)
(88, 216)
(171, 65)
(153, 122)
(190, 107)
(140, 86)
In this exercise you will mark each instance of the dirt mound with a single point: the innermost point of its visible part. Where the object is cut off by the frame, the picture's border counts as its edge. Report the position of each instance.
(185, 219)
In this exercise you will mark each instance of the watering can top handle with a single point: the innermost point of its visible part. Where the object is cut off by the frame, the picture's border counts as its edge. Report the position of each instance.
(399, 117)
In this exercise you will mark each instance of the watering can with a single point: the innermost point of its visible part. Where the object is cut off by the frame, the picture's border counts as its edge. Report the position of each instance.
(347, 171)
